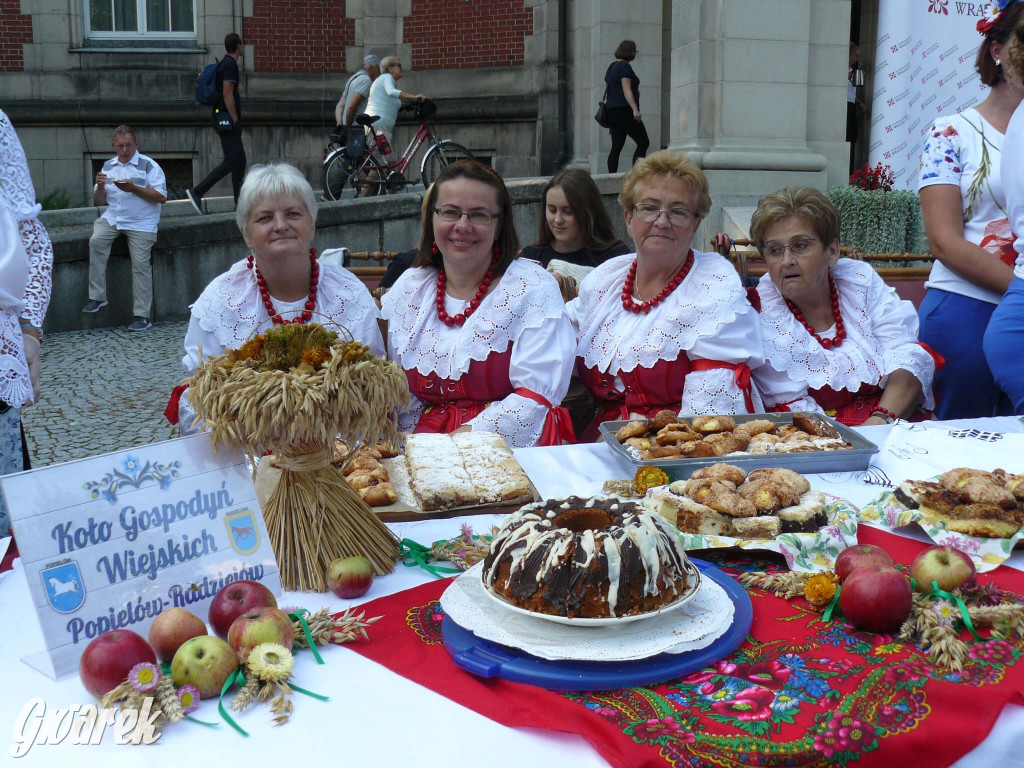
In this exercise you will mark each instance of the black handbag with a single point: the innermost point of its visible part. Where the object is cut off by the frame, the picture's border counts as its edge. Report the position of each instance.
(222, 122)
(601, 116)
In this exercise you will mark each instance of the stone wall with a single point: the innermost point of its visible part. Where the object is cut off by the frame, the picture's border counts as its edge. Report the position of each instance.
(192, 250)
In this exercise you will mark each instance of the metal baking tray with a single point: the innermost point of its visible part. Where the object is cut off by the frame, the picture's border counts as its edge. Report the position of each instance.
(809, 462)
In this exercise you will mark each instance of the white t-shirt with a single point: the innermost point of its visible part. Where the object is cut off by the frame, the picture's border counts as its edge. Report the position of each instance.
(1013, 185)
(966, 151)
(384, 101)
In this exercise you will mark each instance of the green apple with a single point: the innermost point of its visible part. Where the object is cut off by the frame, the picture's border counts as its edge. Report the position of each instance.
(205, 662)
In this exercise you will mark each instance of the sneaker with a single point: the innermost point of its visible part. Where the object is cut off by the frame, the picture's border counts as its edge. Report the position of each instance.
(197, 202)
(93, 306)
(140, 324)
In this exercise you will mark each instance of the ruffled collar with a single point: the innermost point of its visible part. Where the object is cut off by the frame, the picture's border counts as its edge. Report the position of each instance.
(525, 296)
(231, 308)
(612, 339)
(789, 348)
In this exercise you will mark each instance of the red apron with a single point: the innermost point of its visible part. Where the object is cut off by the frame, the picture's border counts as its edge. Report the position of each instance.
(648, 390)
(450, 403)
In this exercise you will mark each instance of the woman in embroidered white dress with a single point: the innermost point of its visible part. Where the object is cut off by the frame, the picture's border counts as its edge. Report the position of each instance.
(482, 335)
(968, 229)
(668, 327)
(280, 281)
(836, 338)
(26, 263)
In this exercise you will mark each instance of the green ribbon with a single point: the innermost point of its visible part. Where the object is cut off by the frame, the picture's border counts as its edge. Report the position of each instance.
(298, 616)
(308, 693)
(938, 593)
(234, 677)
(415, 554)
(827, 615)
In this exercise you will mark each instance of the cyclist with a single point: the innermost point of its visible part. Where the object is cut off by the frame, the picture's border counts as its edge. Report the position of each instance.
(385, 99)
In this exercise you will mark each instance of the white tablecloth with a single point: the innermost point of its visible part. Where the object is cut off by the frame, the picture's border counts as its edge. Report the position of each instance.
(376, 718)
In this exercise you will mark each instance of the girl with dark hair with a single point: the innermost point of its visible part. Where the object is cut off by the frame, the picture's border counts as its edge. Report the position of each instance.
(622, 104)
(967, 226)
(575, 227)
(482, 335)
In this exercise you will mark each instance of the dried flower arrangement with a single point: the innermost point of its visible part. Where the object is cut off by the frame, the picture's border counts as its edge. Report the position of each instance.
(465, 550)
(292, 391)
(936, 620)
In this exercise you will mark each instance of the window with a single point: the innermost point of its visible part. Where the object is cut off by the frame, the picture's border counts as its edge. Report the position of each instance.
(122, 18)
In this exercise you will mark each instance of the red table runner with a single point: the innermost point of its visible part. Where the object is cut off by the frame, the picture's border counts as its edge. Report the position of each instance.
(798, 691)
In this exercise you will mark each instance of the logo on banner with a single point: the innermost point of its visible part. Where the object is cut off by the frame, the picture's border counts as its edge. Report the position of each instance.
(65, 589)
(244, 533)
(938, 6)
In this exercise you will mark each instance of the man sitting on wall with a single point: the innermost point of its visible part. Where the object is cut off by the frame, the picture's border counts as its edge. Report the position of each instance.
(133, 188)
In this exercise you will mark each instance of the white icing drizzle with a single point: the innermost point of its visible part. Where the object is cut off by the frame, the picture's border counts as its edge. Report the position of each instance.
(525, 531)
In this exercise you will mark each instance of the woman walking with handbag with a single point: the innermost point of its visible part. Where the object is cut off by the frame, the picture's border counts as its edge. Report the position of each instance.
(622, 106)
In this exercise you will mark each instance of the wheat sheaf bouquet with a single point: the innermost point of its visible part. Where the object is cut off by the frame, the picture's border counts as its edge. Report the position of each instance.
(291, 391)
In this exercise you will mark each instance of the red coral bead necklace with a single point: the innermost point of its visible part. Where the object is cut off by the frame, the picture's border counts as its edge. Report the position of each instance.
(836, 316)
(630, 305)
(442, 281)
(308, 307)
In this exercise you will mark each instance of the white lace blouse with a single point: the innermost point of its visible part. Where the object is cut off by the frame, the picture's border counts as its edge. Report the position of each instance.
(881, 337)
(708, 317)
(230, 311)
(524, 309)
(18, 195)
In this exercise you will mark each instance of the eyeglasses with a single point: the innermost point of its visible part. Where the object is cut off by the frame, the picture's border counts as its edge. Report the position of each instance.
(677, 217)
(799, 247)
(480, 218)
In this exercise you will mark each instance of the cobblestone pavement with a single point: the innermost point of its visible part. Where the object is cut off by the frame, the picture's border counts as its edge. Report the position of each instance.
(104, 390)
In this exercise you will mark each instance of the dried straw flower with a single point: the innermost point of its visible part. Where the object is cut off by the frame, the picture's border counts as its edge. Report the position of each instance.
(820, 589)
(271, 662)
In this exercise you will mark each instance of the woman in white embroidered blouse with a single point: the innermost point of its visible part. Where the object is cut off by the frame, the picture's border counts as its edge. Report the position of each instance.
(669, 327)
(280, 281)
(836, 338)
(26, 264)
(482, 335)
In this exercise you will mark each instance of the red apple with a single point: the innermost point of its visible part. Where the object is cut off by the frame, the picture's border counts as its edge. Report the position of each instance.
(109, 658)
(876, 598)
(260, 625)
(172, 628)
(947, 566)
(852, 558)
(205, 662)
(234, 600)
(349, 576)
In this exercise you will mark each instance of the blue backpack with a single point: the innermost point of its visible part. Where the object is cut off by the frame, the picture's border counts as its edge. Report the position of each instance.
(206, 85)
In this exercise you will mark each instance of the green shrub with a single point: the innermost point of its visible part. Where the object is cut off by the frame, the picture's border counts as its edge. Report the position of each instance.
(878, 221)
(57, 200)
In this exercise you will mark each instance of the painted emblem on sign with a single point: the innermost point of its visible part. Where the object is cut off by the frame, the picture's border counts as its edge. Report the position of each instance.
(134, 474)
(65, 590)
(242, 529)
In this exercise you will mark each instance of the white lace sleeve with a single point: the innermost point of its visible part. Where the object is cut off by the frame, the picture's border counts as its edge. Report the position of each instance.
(715, 390)
(409, 417)
(542, 361)
(40, 269)
(895, 326)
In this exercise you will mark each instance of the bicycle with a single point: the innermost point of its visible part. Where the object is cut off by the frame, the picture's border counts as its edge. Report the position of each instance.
(344, 178)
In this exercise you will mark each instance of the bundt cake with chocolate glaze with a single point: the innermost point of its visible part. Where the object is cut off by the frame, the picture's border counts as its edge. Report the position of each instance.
(586, 558)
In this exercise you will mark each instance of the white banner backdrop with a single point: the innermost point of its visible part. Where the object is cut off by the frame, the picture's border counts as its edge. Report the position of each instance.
(924, 69)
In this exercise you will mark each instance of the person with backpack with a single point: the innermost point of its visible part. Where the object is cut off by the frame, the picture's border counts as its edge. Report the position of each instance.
(357, 91)
(228, 108)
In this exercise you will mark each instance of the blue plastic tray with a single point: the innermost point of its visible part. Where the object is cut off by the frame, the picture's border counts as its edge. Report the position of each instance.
(489, 659)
